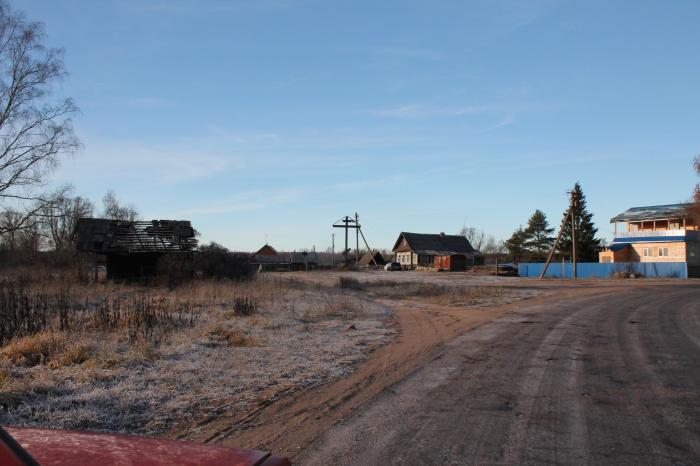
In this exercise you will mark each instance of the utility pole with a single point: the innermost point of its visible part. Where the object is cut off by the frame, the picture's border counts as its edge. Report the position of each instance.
(333, 250)
(347, 223)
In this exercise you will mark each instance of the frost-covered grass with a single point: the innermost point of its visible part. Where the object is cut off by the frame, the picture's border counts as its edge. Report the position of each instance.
(108, 377)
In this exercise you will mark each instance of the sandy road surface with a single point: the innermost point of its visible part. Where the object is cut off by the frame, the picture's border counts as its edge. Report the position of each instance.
(612, 378)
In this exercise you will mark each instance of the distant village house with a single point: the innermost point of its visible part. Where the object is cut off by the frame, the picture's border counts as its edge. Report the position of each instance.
(268, 258)
(451, 253)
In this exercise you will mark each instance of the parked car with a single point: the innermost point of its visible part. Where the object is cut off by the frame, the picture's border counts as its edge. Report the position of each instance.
(508, 268)
(47, 447)
(393, 267)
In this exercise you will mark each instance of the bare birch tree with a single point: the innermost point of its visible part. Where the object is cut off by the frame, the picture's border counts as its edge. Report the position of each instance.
(114, 210)
(35, 130)
(61, 216)
(475, 236)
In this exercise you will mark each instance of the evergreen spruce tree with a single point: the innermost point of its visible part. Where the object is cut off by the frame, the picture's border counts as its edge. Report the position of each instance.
(587, 245)
(538, 236)
(516, 245)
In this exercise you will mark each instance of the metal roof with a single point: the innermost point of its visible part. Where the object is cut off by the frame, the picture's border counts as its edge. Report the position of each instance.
(656, 212)
(304, 257)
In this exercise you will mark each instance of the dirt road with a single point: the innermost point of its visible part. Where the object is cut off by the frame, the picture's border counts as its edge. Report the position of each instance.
(604, 379)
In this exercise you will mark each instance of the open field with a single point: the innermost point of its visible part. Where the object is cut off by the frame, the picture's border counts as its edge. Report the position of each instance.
(197, 357)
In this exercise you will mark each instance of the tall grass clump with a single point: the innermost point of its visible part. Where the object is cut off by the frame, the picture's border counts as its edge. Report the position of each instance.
(142, 315)
(27, 311)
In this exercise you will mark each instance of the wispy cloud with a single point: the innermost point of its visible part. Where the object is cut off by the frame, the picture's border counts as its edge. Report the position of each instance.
(246, 201)
(436, 109)
(146, 102)
(199, 7)
(427, 111)
(369, 182)
(418, 53)
(505, 121)
(133, 161)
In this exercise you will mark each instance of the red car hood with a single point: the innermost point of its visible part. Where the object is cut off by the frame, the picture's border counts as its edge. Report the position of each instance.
(61, 447)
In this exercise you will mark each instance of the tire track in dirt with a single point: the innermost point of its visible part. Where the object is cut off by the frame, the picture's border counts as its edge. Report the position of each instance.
(292, 422)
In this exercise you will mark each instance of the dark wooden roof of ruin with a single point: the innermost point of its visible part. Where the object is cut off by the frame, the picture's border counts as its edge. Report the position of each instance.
(366, 259)
(105, 236)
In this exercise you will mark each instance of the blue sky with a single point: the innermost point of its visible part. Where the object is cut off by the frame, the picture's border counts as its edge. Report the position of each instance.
(275, 118)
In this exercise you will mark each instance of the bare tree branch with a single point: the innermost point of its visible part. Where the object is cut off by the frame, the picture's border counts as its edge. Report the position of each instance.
(115, 211)
(35, 131)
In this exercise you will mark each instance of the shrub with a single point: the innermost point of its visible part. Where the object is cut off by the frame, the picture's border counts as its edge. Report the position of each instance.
(143, 315)
(174, 269)
(244, 306)
(215, 261)
(349, 283)
(23, 313)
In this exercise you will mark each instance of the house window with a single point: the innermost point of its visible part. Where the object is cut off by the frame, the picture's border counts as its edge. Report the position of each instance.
(646, 252)
(426, 260)
(663, 252)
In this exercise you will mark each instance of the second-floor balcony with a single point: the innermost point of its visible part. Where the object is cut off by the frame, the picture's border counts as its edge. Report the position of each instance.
(656, 235)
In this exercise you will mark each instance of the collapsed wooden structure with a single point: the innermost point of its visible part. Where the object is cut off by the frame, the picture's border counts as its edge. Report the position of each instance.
(133, 249)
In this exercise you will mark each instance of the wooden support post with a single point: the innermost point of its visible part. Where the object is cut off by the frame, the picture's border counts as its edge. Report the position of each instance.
(563, 267)
(556, 242)
(345, 251)
(357, 241)
(368, 249)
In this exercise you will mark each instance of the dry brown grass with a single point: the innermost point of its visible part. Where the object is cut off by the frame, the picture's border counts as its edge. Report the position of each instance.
(4, 378)
(55, 349)
(103, 371)
(35, 349)
(219, 333)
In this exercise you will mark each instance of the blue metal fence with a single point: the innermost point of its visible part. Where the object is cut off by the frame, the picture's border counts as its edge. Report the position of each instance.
(607, 270)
